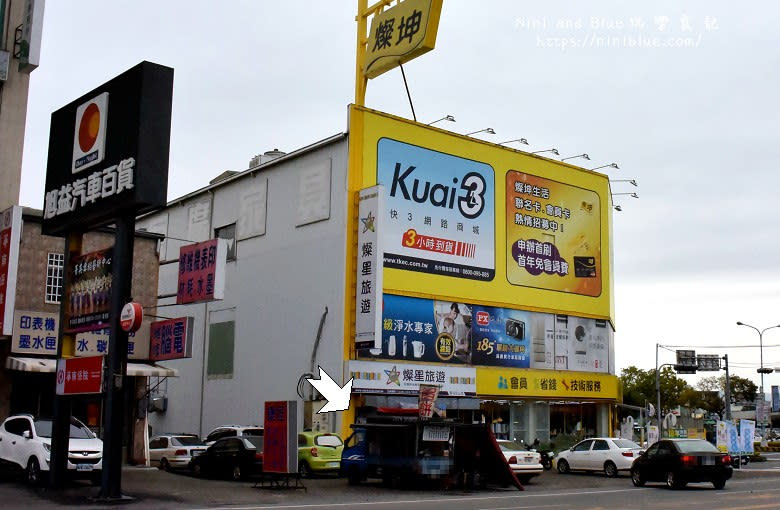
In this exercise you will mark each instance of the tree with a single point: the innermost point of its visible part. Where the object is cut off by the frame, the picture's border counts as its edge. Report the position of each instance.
(742, 390)
(639, 387)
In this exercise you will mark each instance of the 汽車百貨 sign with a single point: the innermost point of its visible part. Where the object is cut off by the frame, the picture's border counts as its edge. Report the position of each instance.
(108, 151)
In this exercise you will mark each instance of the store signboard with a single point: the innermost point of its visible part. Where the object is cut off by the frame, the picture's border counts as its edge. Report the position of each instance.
(280, 437)
(762, 410)
(10, 234)
(406, 378)
(202, 271)
(35, 332)
(426, 400)
(77, 376)
(368, 278)
(443, 189)
(108, 151)
(545, 383)
(399, 34)
(31, 31)
(439, 218)
(87, 297)
(553, 235)
(775, 399)
(426, 330)
(652, 434)
(171, 339)
(95, 343)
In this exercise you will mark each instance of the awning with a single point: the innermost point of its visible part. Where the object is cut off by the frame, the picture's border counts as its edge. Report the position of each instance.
(50, 366)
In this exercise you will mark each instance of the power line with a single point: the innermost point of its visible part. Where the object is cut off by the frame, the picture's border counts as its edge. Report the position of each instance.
(670, 347)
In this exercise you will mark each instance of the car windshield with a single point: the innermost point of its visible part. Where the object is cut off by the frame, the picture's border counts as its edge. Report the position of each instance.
(328, 440)
(255, 442)
(186, 441)
(696, 445)
(77, 429)
(625, 443)
(508, 446)
(252, 432)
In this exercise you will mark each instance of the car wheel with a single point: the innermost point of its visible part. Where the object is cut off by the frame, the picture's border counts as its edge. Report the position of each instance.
(33, 471)
(563, 466)
(610, 469)
(97, 479)
(304, 470)
(197, 470)
(673, 481)
(237, 475)
(524, 479)
(354, 478)
(164, 464)
(636, 478)
(719, 484)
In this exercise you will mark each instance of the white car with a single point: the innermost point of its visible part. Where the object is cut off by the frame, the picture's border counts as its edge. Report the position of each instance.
(608, 454)
(232, 431)
(174, 451)
(524, 463)
(25, 443)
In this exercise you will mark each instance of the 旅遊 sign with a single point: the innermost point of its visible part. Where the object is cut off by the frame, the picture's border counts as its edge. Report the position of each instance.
(202, 271)
(368, 293)
(400, 34)
(171, 339)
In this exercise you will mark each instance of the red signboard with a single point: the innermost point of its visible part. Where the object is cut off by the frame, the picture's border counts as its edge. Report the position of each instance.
(427, 400)
(171, 339)
(202, 271)
(280, 450)
(80, 375)
(10, 230)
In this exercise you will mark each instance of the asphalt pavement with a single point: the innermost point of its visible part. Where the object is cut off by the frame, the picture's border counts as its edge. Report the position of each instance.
(753, 488)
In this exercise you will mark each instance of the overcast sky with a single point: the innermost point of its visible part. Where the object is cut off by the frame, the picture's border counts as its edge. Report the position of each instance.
(695, 122)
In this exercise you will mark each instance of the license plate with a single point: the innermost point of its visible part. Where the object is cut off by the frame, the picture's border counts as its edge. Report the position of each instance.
(529, 460)
(83, 467)
(708, 461)
(333, 464)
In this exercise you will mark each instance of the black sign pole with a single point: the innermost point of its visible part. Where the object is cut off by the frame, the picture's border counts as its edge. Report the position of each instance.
(60, 434)
(116, 370)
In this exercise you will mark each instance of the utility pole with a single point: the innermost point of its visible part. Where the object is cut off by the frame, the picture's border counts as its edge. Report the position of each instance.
(728, 388)
(657, 390)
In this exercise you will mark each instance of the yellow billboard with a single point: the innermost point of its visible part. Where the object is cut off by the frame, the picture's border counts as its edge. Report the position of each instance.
(471, 221)
(509, 382)
(400, 34)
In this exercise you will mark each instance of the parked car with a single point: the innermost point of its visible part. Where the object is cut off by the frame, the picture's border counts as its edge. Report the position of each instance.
(174, 451)
(232, 431)
(238, 458)
(681, 461)
(524, 463)
(608, 454)
(25, 443)
(319, 452)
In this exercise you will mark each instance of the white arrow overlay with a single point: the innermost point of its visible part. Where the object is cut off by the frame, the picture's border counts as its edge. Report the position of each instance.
(338, 397)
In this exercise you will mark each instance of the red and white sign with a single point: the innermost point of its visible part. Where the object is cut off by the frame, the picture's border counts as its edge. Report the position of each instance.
(483, 318)
(76, 376)
(89, 137)
(280, 451)
(131, 317)
(10, 231)
(202, 271)
(171, 339)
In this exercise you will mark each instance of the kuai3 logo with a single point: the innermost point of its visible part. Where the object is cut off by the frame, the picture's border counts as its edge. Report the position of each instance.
(89, 137)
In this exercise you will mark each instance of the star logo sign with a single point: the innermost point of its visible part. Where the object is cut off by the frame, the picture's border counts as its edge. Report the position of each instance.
(368, 222)
(393, 376)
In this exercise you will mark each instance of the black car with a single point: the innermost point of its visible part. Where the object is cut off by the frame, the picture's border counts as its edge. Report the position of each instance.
(238, 458)
(681, 461)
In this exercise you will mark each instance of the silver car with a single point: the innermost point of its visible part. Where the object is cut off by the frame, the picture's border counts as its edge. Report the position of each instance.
(171, 451)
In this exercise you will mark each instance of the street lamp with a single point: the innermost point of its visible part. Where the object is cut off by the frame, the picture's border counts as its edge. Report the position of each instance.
(486, 130)
(761, 370)
(520, 140)
(446, 117)
(632, 195)
(611, 165)
(583, 156)
(553, 150)
(630, 181)
(618, 208)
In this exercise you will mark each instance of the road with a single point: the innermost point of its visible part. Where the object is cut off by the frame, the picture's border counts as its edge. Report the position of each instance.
(753, 488)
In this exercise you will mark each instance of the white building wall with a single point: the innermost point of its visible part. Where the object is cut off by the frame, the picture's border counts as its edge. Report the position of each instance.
(276, 291)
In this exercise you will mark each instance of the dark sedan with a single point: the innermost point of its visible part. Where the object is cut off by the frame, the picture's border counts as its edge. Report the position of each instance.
(238, 458)
(681, 461)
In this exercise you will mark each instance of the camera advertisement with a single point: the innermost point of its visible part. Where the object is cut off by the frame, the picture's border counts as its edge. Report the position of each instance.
(426, 330)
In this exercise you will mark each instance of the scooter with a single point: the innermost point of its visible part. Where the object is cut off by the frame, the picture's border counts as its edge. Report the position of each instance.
(547, 457)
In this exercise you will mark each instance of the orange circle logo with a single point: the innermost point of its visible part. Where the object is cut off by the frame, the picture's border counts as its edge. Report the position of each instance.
(89, 127)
